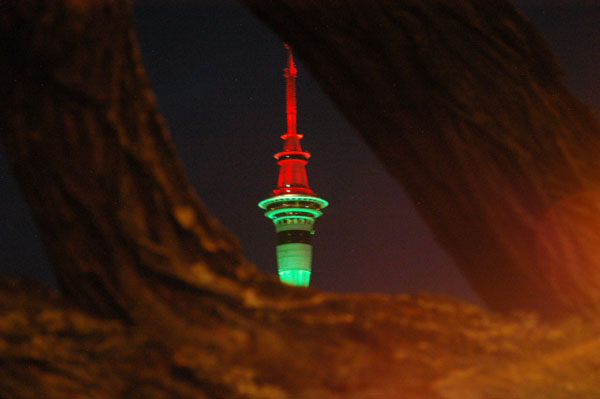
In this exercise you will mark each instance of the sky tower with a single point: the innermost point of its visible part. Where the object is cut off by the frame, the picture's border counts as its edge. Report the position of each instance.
(293, 206)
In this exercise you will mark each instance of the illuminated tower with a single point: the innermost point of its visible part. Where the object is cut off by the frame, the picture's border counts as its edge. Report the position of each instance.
(293, 206)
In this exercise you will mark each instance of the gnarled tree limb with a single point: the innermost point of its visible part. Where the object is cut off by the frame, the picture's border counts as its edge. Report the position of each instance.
(350, 346)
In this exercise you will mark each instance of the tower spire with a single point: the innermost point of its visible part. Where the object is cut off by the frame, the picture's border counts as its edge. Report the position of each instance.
(290, 74)
(293, 206)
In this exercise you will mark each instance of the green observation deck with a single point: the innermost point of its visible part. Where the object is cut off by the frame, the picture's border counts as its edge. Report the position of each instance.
(294, 218)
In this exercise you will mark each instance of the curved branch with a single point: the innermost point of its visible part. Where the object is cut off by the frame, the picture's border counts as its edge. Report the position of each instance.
(350, 346)
(464, 104)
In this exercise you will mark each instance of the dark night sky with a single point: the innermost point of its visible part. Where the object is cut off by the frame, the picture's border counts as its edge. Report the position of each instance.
(217, 73)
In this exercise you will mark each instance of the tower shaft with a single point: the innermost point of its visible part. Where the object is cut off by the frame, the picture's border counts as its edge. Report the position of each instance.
(293, 206)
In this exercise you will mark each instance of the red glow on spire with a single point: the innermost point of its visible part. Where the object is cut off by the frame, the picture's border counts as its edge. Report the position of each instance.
(290, 74)
(292, 160)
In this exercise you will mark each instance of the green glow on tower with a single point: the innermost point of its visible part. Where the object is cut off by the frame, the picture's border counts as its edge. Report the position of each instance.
(294, 218)
(300, 278)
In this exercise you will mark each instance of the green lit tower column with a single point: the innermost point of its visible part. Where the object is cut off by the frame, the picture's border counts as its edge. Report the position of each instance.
(293, 206)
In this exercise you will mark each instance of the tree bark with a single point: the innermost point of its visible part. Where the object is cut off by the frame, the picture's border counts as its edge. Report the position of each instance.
(157, 300)
(336, 346)
(464, 104)
(125, 232)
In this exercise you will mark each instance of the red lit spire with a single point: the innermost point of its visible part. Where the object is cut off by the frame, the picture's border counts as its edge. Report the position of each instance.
(290, 74)
(292, 160)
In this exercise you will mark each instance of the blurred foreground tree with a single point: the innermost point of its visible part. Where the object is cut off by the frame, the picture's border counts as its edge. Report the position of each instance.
(462, 102)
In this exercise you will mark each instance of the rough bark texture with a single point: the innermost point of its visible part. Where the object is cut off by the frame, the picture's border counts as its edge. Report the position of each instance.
(464, 104)
(157, 300)
(335, 346)
(125, 232)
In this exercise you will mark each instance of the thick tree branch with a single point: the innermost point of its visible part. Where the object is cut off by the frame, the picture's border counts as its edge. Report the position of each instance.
(126, 234)
(464, 104)
(350, 346)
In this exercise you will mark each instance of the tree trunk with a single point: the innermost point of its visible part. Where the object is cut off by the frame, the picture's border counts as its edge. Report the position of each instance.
(159, 302)
(126, 234)
(464, 105)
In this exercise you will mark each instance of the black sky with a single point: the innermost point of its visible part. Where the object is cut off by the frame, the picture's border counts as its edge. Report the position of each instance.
(217, 73)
